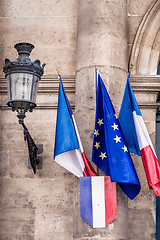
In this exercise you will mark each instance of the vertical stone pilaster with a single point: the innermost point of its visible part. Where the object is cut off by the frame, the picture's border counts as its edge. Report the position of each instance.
(101, 39)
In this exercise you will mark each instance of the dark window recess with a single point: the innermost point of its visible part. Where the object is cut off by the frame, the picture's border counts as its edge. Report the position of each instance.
(158, 155)
(158, 69)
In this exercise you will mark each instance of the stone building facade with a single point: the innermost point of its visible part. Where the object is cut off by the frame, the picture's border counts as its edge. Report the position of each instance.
(71, 36)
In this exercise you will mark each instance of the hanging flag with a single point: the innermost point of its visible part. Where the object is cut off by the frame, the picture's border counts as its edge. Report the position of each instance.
(68, 147)
(110, 152)
(137, 137)
(98, 204)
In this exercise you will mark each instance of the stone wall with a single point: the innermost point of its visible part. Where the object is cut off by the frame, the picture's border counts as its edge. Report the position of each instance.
(37, 206)
(71, 36)
(49, 25)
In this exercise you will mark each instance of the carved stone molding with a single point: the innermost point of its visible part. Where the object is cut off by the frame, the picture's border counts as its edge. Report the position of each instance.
(145, 83)
(49, 85)
(145, 51)
(146, 86)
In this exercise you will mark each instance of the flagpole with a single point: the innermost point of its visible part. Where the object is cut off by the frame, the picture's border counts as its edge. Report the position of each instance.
(96, 83)
(77, 134)
(129, 74)
(89, 167)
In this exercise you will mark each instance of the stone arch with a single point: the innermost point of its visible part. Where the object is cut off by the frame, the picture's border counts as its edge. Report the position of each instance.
(146, 48)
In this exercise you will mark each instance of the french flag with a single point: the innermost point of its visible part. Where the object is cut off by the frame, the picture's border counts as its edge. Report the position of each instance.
(137, 137)
(68, 150)
(98, 204)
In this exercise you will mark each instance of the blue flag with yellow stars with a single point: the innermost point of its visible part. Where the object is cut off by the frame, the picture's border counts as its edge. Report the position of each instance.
(110, 152)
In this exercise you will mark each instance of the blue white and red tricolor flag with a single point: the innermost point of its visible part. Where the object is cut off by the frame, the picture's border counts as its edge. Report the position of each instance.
(98, 202)
(68, 150)
(137, 137)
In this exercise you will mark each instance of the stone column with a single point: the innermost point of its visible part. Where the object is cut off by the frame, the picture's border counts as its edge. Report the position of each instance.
(101, 39)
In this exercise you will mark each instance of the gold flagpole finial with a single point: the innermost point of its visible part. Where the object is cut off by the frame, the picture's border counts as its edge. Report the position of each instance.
(57, 67)
(58, 72)
(130, 68)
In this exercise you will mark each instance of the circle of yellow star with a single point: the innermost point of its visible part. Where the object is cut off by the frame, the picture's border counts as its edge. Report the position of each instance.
(100, 122)
(117, 139)
(96, 132)
(97, 145)
(125, 149)
(103, 155)
(115, 127)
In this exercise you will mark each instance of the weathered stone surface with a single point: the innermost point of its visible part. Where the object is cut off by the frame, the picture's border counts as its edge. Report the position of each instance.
(4, 164)
(138, 7)
(85, 90)
(37, 8)
(145, 199)
(129, 51)
(136, 219)
(149, 115)
(32, 193)
(145, 97)
(1, 192)
(33, 24)
(44, 131)
(133, 24)
(17, 224)
(12, 135)
(99, 35)
(41, 126)
(147, 37)
(85, 122)
(4, 97)
(18, 166)
(54, 225)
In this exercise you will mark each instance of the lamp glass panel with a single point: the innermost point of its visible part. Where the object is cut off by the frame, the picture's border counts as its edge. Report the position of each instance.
(21, 86)
(9, 87)
(34, 89)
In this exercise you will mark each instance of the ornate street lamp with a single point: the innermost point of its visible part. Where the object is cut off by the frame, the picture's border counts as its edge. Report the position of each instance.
(23, 77)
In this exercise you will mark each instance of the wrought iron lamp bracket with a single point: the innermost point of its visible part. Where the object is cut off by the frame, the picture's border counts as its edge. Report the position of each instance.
(32, 148)
(158, 101)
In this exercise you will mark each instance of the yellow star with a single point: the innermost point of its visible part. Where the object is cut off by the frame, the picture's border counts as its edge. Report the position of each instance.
(103, 155)
(116, 116)
(125, 149)
(100, 122)
(117, 139)
(97, 145)
(115, 127)
(96, 132)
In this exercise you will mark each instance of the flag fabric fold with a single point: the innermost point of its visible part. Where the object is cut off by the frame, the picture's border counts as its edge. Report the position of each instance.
(110, 152)
(68, 147)
(137, 137)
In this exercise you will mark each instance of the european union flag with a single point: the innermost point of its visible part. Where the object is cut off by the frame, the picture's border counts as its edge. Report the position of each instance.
(110, 152)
